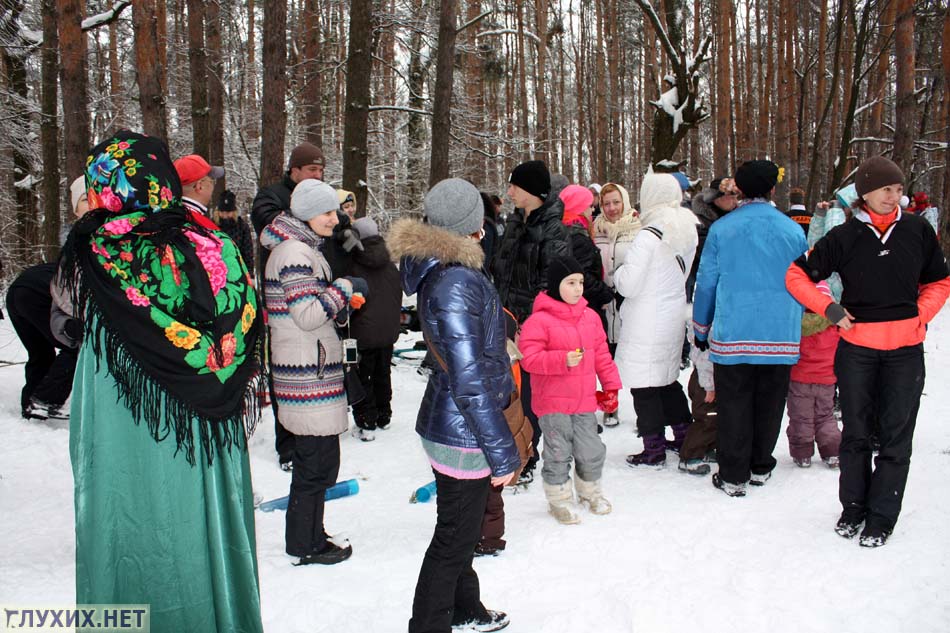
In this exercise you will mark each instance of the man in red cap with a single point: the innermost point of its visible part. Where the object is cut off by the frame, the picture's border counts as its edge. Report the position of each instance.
(197, 182)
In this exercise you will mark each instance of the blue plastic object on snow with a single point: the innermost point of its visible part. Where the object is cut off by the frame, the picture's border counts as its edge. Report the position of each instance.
(424, 494)
(340, 489)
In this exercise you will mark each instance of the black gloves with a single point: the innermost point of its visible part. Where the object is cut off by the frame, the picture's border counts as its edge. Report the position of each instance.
(701, 345)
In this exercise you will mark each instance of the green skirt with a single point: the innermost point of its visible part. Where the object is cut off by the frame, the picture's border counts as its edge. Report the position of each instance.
(152, 529)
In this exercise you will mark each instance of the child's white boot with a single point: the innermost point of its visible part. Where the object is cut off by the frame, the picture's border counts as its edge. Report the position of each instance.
(561, 502)
(590, 493)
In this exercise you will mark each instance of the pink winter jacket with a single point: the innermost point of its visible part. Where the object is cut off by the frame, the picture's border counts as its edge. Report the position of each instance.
(554, 329)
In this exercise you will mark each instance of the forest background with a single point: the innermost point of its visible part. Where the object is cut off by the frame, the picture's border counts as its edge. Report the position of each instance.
(402, 93)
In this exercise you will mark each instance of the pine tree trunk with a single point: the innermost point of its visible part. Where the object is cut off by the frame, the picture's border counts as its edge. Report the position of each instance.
(442, 98)
(250, 111)
(273, 114)
(150, 66)
(312, 92)
(359, 69)
(198, 73)
(49, 131)
(72, 42)
(721, 158)
(116, 96)
(416, 126)
(540, 80)
(215, 92)
(906, 110)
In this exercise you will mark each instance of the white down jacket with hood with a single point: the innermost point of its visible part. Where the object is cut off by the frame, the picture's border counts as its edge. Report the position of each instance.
(613, 239)
(652, 280)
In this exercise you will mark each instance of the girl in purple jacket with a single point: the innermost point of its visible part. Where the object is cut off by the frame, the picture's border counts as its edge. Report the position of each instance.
(565, 350)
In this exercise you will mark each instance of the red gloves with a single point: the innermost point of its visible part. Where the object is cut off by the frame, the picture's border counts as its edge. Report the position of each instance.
(357, 300)
(607, 400)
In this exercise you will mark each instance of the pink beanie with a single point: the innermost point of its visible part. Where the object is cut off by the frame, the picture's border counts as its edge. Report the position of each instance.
(576, 199)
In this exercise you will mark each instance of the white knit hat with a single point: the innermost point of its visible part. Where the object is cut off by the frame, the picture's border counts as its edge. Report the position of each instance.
(311, 198)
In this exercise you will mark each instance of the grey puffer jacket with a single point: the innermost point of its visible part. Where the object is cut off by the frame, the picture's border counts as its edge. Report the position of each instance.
(463, 320)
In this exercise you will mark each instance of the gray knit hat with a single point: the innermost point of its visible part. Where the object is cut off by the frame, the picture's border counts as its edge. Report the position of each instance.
(312, 198)
(455, 205)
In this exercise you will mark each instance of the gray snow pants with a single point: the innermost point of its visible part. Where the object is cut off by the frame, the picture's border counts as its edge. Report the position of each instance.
(566, 436)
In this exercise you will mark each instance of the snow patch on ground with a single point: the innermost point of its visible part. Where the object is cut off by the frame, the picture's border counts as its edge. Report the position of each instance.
(675, 554)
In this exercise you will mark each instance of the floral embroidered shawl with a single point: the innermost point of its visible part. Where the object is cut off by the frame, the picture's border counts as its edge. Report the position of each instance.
(174, 312)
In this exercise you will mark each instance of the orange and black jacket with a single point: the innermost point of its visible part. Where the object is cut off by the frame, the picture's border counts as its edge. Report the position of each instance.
(894, 275)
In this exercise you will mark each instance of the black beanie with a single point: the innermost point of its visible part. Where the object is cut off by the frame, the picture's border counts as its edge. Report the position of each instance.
(532, 176)
(877, 172)
(756, 178)
(557, 271)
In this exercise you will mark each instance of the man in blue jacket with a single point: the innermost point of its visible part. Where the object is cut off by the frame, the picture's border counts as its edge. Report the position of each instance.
(751, 325)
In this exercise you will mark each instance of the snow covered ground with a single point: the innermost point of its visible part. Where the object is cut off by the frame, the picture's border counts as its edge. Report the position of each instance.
(675, 555)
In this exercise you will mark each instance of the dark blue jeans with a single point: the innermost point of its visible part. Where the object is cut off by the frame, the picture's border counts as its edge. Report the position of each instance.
(448, 590)
(888, 384)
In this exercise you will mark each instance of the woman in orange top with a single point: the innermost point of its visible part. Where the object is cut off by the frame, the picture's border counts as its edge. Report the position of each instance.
(895, 280)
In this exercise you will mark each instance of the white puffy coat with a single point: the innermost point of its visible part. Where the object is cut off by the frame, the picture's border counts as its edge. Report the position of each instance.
(652, 280)
(613, 239)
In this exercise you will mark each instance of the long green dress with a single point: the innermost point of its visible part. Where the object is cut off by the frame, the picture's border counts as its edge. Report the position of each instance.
(152, 529)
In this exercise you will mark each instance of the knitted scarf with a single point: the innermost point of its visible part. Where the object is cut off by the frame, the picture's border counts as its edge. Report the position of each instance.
(167, 301)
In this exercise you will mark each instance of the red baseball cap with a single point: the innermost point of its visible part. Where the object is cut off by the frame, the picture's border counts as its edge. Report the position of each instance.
(192, 168)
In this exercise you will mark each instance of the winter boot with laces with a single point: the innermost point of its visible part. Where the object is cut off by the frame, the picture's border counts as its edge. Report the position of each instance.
(653, 455)
(733, 490)
(679, 436)
(488, 621)
(561, 502)
(591, 494)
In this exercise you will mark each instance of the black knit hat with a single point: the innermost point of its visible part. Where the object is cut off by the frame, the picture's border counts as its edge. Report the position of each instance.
(756, 178)
(557, 271)
(877, 172)
(532, 176)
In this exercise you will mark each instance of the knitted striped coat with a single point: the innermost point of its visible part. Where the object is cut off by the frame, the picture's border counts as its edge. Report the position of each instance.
(306, 352)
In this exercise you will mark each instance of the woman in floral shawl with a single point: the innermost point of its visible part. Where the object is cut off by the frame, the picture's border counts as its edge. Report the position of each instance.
(162, 399)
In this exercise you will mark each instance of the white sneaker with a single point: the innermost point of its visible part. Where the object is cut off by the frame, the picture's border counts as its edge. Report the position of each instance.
(363, 435)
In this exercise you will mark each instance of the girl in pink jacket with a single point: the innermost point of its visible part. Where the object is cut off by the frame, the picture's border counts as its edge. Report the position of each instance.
(564, 348)
(811, 392)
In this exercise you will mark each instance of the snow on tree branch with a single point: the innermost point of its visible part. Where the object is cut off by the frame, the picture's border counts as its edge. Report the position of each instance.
(537, 40)
(648, 10)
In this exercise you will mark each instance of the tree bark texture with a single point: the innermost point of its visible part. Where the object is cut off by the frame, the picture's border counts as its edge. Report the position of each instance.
(273, 113)
(442, 99)
(359, 65)
(49, 131)
(905, 115)
(150, 67)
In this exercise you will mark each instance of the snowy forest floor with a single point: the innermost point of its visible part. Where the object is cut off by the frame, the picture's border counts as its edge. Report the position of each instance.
(675, 555)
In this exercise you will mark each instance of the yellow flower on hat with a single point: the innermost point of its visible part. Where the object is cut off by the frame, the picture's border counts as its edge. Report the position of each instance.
(781, 174)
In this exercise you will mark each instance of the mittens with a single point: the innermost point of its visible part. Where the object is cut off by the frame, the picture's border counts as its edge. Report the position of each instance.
(350, 240)
(701, 345)
(607, 400)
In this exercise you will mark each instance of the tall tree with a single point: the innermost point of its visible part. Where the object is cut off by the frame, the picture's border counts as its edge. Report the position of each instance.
(905, 115)
(215, 91)
(273, 114)
(679, 106)
(359, 66)
(442, 99)
(198, 78)
(721, 158)
(49, 130)
(312, 92)
(72, 42)
(150, 66)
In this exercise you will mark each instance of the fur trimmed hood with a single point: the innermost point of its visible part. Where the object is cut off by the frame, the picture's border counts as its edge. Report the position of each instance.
(420, 247)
